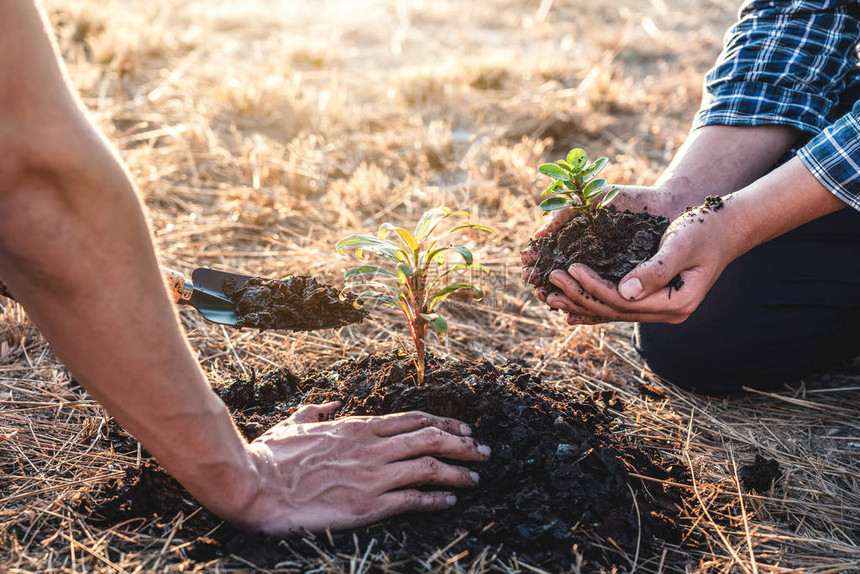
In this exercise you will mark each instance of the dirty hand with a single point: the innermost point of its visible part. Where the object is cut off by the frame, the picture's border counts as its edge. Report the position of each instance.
(697, 246)
(657, 200)
(356, 470)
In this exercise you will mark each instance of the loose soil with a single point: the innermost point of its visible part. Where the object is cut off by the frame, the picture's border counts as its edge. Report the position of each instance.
(612, 244)
(298, 303)
(558, 483)
(760, 475)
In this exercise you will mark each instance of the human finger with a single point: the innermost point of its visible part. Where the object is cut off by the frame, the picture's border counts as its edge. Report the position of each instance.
(569, 286)
(529, 256)
(314, 413)
(557, 219)
(582, 319)
(399, 423)
(601, 295)
(530, 275)
(432, 441)
(428, 470)
(411, 500)
(654, 274)
(562, 302)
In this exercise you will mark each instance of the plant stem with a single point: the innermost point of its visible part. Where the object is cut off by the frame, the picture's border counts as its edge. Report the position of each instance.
(418, 325)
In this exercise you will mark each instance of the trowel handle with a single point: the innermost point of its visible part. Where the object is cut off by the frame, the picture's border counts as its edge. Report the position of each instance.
(178, 286)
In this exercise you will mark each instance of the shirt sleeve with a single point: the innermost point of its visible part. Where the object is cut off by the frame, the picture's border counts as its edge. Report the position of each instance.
(784, 62)
(833, 157)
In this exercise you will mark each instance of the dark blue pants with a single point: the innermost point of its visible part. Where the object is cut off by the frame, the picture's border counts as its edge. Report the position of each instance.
(788, 308)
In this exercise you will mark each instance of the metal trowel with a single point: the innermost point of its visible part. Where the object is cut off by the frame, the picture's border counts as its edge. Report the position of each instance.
(205, 292)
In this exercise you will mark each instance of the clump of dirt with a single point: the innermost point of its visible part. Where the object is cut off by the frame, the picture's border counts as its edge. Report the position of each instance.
(612, 244)
(760, 475)
(298, 303)
(558, 485)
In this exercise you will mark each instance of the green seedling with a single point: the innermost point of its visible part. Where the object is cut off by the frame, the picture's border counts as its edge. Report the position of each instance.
(415, 275)
(576, 186)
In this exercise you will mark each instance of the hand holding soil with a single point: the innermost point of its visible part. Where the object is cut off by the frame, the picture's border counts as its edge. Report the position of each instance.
(697, 247)
(651, 201)
(353, 471)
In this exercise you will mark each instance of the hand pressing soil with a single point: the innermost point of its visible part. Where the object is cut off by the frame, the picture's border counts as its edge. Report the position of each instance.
(297, 303)
(558, 486)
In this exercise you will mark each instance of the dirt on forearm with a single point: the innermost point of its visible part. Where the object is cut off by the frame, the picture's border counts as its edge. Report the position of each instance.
(298, 303)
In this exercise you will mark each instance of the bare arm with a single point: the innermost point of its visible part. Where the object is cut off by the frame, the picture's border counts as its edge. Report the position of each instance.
(77, 253)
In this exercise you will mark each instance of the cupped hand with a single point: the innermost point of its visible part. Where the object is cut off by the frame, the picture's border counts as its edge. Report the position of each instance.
(697, 246)
(316, 474)
(657, 200)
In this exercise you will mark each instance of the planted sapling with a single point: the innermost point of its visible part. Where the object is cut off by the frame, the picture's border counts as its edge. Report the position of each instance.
(415, 277)
(576, 185)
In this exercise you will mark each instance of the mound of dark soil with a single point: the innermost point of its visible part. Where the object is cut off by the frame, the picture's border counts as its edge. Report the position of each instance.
(558, 483)
(760, 474)
(298, 303)
(612, 244)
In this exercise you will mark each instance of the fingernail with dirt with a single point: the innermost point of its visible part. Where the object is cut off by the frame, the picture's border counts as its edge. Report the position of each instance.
(631, 289)
(484, 450)
(476, 478)
(465, 430)
(451, 500)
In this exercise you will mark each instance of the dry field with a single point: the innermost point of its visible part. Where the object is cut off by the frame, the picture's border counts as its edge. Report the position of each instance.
(261, 131)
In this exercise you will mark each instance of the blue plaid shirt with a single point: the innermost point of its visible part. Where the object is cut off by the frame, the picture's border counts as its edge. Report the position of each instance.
(794, 63)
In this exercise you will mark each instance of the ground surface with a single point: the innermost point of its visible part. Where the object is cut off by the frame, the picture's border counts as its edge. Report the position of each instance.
(548, 443)
(261, 132)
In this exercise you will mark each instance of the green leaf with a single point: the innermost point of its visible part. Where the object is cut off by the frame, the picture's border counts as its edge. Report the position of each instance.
(593, 169)
(464, 251)
(448, 290)
(577, 158)
(571, 185)
(362, 243)
(438, 322)
(554, 171)
(610, 195)
(432, 218)
(367, 271)
(407, 238)
(554, 203)
(594, 187)
(456, 268)
(553, 186)
(368, 286)
(456, 230)
(384, 299)
(404, 272)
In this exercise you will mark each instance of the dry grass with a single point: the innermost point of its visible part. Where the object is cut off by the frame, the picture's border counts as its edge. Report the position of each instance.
(260, 132)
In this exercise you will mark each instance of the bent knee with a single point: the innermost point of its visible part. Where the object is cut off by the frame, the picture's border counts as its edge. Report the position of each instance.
(704, 364)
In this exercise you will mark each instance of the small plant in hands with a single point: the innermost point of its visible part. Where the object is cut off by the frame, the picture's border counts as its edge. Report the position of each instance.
(415, 277)
(576, 186)
(609, 241)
